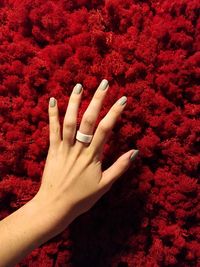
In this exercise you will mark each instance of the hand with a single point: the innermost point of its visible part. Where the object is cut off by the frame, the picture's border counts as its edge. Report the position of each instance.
(72, 175)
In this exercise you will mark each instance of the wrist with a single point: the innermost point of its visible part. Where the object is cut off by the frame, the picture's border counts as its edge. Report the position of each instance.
(53, 219)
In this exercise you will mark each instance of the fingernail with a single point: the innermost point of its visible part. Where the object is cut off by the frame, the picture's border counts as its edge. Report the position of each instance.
(134, 155)
(103, 85)
(52, 102)
(77, 89)
(122, 100)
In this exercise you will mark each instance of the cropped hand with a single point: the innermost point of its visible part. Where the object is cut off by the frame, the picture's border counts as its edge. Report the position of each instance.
(72, 178)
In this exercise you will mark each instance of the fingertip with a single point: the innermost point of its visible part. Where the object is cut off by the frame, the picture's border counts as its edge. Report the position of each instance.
(134, 154)
(52, 102)
(78, 88)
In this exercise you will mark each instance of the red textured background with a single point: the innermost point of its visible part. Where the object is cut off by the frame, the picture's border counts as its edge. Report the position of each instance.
(150, 52)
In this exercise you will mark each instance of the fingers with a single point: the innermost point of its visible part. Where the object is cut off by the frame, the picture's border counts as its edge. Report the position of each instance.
(54, 124)
(70, 119)
(105, 126)
(110, 175)
(90, 116)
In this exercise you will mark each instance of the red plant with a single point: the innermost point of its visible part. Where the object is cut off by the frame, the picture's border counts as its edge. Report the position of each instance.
(148, 51)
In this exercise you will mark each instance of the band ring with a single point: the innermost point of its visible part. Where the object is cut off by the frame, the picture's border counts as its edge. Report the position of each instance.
(85, 138)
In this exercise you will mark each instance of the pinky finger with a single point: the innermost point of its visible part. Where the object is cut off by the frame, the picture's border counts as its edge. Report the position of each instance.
(54, 124)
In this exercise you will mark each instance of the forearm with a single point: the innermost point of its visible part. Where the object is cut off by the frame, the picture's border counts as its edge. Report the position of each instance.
(24, 230)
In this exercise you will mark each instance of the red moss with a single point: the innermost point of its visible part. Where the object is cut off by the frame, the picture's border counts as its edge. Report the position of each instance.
(149, 51)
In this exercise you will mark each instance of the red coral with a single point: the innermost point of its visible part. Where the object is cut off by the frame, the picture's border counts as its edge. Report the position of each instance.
(149, 51)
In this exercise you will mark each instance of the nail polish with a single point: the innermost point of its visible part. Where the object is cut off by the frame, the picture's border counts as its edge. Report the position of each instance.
(103, 85)
(52, 102)
(77, 89)
(134, 155)
(122, 100)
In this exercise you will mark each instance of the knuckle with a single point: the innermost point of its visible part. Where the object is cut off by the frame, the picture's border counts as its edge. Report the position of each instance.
(69, 124)
(103, 127)
(55, 129)
(88, 119)
(115, 111)
(53, 113)
(73, 99)
(97, 96)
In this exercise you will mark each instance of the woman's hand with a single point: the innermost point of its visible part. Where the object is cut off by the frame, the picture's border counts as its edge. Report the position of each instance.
(72, 178)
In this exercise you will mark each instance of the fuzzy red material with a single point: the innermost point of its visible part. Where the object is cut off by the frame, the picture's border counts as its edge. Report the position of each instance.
(150, 52)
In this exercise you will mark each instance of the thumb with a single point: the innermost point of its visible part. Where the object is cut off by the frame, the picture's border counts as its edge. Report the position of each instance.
(111, 174)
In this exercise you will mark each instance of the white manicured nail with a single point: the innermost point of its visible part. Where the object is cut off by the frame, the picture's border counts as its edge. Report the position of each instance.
(103, 85)
(52, 102)
(77, 88)
(134, 155)
(122, 100)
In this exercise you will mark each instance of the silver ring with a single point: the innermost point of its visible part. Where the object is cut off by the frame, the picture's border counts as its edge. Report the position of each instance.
(85, 138)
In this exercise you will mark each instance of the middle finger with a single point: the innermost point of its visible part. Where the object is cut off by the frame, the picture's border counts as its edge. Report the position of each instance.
(90, 115)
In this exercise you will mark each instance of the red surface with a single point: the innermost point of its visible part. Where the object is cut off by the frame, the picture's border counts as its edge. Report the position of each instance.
(150, 52)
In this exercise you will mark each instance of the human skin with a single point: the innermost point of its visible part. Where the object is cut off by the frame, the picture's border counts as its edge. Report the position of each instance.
(72, 180)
